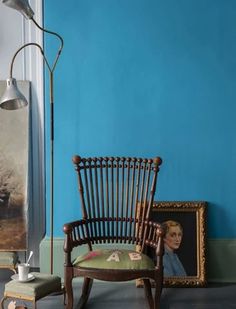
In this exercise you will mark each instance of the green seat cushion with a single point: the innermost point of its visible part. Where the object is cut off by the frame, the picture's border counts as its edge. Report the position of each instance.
(114, 259)
(8, 258)
(42, 285)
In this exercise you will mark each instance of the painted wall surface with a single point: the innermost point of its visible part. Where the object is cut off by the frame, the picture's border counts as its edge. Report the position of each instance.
(146, 78)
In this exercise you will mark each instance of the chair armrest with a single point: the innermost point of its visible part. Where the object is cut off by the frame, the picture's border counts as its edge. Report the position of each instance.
(76, 234)
(154, 240)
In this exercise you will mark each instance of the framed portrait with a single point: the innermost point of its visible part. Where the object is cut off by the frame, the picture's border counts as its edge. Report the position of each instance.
(184, 225)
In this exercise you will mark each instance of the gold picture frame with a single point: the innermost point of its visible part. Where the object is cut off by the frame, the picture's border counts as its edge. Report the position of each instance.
(192, 251)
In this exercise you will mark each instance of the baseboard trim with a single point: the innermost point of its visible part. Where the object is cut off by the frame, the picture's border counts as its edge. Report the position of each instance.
(221, 255)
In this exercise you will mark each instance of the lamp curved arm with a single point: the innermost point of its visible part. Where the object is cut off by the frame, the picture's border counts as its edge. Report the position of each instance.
(55, 34)
(24, 7)
(22, 47)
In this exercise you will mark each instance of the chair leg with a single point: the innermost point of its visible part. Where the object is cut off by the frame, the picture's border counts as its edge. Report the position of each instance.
(69, 289)
(87, 286)
(2, 301)
(148, 292)
(157, 295)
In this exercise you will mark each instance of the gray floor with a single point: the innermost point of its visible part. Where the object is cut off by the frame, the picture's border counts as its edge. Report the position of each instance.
(126, 295)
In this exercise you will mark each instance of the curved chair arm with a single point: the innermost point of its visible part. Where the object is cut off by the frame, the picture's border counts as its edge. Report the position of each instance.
(154, 240)
(76, 233)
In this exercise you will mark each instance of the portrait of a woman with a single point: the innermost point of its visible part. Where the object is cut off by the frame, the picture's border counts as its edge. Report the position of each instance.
(173, 234)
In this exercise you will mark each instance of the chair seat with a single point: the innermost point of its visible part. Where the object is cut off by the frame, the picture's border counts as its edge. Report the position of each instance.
(42, 285)
(114, 259)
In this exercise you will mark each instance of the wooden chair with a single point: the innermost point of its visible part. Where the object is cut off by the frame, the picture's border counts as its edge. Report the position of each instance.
(110, 191)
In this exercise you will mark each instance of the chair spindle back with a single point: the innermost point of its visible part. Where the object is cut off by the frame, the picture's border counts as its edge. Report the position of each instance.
(111, 190)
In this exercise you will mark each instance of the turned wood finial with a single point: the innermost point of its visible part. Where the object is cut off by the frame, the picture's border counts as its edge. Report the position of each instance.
(76, 159)
(157, 161)
(67, 228)
(160, 230)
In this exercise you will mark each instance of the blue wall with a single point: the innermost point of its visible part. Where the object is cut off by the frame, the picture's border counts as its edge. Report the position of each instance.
(146, 78)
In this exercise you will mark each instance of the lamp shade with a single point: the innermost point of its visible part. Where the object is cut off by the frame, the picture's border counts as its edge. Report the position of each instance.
(12, 98)
(20, 5)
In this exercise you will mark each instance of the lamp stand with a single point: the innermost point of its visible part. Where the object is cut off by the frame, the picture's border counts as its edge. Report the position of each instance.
(13, 99)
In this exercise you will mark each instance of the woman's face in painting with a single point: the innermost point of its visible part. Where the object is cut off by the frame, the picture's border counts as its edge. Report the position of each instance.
(173, 238)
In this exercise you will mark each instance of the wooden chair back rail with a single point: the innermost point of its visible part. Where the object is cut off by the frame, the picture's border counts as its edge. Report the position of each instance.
(79, 236)
(108, 165)
(81, 241)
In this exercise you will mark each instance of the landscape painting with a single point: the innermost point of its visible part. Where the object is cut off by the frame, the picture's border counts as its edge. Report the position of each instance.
(14, 149)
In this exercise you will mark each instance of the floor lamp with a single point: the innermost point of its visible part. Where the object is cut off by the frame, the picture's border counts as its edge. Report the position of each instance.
(13, 99)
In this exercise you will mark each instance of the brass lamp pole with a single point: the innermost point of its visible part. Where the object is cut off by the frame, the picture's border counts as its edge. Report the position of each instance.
(13, 99)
